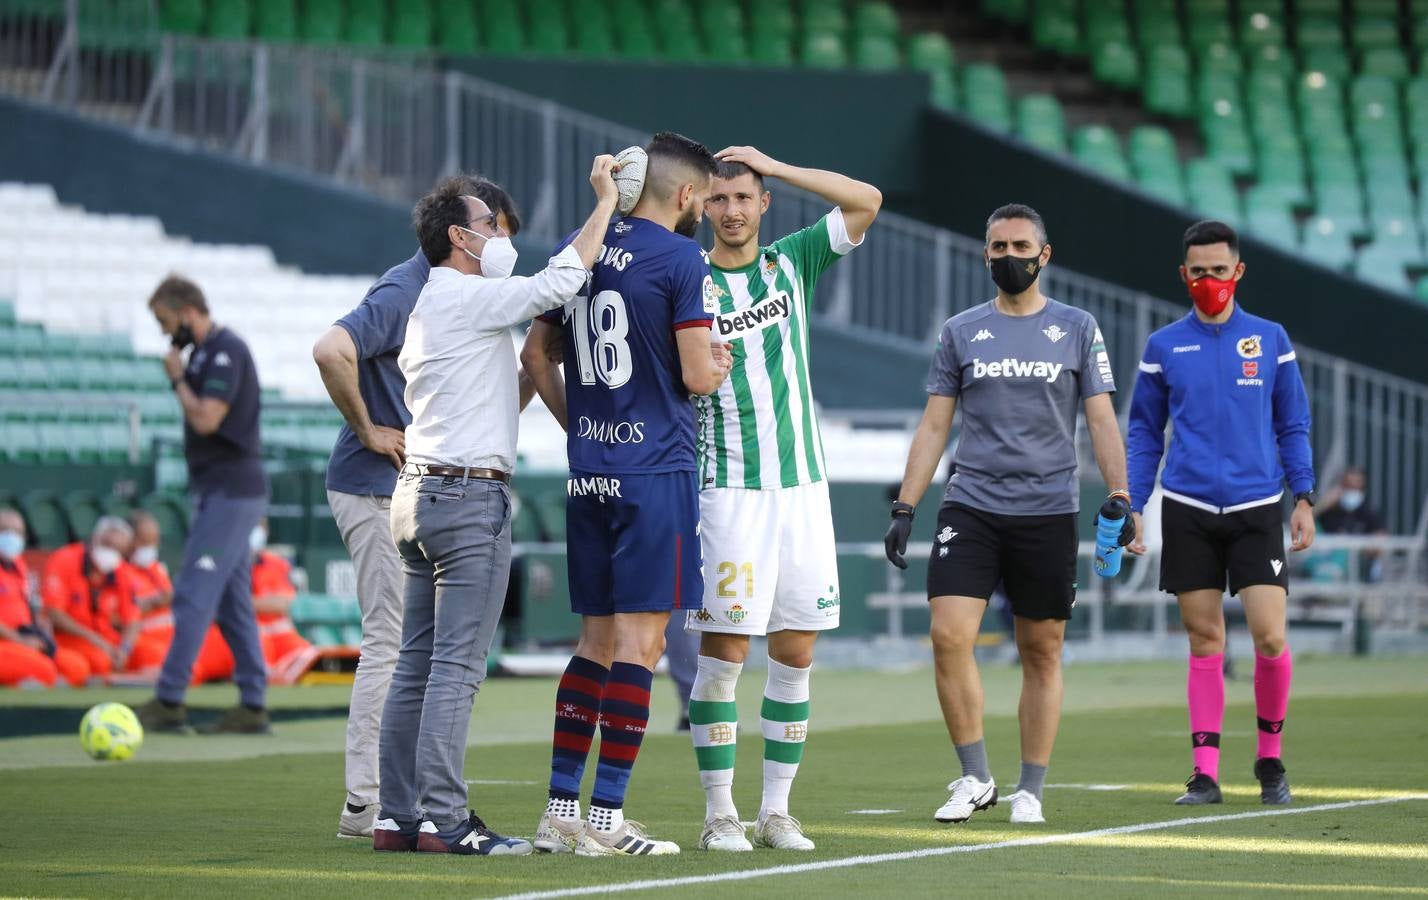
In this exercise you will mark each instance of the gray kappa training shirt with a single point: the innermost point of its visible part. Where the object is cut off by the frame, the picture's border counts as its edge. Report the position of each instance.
(1019, 381)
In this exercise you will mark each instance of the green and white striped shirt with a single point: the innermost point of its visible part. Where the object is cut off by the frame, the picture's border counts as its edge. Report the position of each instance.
(761, 430)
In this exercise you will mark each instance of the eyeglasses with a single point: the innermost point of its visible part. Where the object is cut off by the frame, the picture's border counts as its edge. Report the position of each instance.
(489, 219)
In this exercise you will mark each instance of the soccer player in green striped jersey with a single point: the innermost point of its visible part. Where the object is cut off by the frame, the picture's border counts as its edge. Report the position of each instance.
(770, 567)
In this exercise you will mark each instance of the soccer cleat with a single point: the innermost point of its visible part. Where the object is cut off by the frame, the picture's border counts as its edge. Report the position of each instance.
(968, 796)
(470, 838)
(629, 839)
(779, 831)
(158, 716)
(1273, 786)
(1200, 789)
(391, 836)
(240, 720)
(1025, 809)
(356, 821)
(724, 833)
(557, 835)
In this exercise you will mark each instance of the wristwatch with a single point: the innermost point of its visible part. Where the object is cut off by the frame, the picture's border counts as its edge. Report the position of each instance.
(1309, 497)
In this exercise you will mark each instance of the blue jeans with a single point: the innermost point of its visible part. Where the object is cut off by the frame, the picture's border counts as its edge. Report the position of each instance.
(454, 538)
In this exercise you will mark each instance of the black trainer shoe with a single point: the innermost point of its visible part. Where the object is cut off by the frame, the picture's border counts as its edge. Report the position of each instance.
(156, 715)
(240, 720)
(471, 838)
(1200, 789)
(1273, 786)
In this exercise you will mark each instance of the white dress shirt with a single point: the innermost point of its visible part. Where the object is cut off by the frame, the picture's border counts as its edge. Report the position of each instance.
(460, 364)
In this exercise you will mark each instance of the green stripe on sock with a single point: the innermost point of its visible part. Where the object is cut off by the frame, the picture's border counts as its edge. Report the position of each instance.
(776, 711)
(779, 751)
(715, 759)
(707, 712)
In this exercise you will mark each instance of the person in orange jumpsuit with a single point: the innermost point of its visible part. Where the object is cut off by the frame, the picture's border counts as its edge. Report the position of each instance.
(288, 654)
(89, 597)
(28, 654)
(154, 595)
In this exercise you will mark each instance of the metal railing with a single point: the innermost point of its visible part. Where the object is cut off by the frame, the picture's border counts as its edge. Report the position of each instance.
(393, 124)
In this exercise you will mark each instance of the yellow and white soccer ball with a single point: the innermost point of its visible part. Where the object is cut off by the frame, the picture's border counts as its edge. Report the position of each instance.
(630, 179)
(110, 731)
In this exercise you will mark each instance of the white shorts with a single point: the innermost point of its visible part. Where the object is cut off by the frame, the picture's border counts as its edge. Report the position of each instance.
(770, 562)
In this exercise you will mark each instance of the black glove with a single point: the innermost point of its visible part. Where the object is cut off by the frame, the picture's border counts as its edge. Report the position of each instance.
(895, 541)
(1114, 508)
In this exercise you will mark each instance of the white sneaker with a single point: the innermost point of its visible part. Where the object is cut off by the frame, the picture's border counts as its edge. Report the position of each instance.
(968, 796)
(629, 839)
(1026, 809)
(557, 835)
(724, 833)
(780, 831)
(355, 825)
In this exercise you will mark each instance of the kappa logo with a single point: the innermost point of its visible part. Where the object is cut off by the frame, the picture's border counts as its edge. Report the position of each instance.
(222, 359)
(1276, 565)
(1054, 332)
(206, 563)
(946, 534)
(703, 616)
(983, 335)
(1250, 347)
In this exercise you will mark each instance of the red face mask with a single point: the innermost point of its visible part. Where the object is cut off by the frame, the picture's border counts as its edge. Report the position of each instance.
(1212, 295)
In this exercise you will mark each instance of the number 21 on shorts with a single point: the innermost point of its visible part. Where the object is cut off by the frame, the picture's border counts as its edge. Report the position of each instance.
(730, 573)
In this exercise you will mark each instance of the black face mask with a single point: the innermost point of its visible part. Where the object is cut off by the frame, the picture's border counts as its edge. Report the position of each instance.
(1014, 274)
(183, 336)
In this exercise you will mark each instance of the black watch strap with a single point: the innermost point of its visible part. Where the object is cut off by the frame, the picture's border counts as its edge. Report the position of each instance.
(902, 509)
(1309, 497)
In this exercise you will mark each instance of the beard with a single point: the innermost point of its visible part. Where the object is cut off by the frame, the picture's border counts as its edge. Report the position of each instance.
(688, 223)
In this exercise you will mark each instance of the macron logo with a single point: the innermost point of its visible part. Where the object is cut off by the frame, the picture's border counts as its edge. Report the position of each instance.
(983, 335)
(1276, 565)
(1016, 368)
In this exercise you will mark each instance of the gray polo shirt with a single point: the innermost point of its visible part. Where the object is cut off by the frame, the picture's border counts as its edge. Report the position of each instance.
(1018, 381)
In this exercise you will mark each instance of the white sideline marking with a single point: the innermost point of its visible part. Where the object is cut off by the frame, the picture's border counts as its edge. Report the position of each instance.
(875, 858)
(498, 781)
(873, 812)
(1091, 787)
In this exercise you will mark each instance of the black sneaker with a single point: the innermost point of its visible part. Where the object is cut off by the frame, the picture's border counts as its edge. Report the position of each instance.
(1273, 786)
(240, 720)
(471, 838)
(1200, 789)
(158, 716)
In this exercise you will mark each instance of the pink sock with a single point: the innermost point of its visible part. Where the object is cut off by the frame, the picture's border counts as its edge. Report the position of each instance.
(1272, 675)
(1205, 690)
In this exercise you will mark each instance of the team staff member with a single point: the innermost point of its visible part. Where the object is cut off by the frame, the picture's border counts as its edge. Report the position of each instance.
(451, 514)
(1228, 384)
(27, 651)
(357, 358)
(218, 391)
(1020, 365)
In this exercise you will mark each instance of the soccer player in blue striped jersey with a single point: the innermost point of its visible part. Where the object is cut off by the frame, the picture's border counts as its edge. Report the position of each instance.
(637, 343)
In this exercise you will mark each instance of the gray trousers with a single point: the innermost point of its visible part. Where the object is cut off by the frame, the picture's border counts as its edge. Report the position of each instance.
(366, 526)
(215, 585)
(455, 542)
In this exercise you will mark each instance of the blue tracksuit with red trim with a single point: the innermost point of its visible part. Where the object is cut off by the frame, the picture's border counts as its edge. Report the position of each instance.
(1239, 415)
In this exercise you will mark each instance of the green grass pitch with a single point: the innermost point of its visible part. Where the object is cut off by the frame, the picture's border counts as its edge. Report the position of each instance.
(196, 816)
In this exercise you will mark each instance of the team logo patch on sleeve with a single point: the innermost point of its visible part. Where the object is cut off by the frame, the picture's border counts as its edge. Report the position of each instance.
(1249, 347)
(711, 295)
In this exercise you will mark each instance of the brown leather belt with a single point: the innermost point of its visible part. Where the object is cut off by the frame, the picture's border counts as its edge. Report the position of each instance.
(417, 469)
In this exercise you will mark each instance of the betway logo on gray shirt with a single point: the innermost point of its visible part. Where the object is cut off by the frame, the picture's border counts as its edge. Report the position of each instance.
(1018, 381)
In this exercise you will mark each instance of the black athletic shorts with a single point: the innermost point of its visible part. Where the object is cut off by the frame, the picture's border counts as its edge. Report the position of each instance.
(1201, 548)
(1032, 557)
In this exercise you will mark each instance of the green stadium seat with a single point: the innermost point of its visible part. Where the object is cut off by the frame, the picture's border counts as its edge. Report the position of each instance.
(321, 21)
(181, 16)
(1344, 204)
(1207, 7)
(549, 34)
(1258, 29)
(1015, 11)
(1220, 58)
(1315, 31)
(1273, 58)
(985, 97)
(412, 26)
(1207, 30)
(277, 20)
(7, 314)
(1041, 122)
(1167, 82)
(1400, 233)
(82, 509)
(771, 49)
(876, 18)
(365, 24)
(1274, 224)
(45, 519)
(1321, 8)
(503, 31)
(1152, 31)
(726, 47)
(1327, 243)
(1373, 31)
(1384, 267)
(636, 42)
(1213, 90)
(21, 442)
(1227, 141)
(1116, 63)
(824, 50)
(772, 18)
(1056, 29)
(1419, 37)
(1332, 61)
(929, 51)
(1390, 62)
(825, 18)
(172, 513)
(1106, 24)
(879, 54)
(1099, 148)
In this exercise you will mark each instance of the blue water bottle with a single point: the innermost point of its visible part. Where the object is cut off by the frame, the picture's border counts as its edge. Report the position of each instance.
(1109, 523)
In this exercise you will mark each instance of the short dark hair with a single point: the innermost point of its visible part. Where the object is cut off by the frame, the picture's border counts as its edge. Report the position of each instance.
(729, 170)
(1019, 211)
(435, 213)
(500, 202)
(176, 292)
(673, 156)
(1211, 231)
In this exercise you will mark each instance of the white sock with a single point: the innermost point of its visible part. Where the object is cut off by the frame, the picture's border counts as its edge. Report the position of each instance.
(560, 808)
(715, 735)
(784, 733)
(606, 820)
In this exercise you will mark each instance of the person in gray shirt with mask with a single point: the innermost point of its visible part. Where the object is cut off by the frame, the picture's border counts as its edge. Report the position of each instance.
(1020, 364)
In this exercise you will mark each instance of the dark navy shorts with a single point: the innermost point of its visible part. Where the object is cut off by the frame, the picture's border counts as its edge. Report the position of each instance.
(633, 543)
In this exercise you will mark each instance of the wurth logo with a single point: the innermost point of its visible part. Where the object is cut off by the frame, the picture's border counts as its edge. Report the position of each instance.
(1016, 368)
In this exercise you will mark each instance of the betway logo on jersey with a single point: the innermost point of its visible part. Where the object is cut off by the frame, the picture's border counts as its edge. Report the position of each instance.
(610, 432)
(770, 311)
(1016, 368)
